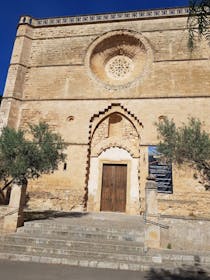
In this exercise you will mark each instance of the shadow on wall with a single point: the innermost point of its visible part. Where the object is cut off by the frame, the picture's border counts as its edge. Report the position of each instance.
(50, 214)
(184, 273)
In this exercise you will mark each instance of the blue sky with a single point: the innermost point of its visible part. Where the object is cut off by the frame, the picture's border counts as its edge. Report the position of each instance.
(11, 10)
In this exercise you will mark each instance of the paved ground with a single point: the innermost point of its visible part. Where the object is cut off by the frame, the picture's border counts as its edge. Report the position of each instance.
(33, 271)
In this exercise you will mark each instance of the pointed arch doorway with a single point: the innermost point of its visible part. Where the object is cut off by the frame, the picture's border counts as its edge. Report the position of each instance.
(113, 166)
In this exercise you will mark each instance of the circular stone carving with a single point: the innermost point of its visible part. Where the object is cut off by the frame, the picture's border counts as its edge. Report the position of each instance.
(119, 67)
(119, 59)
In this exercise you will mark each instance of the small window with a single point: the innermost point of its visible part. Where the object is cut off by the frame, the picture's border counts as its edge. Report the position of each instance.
(65, 166)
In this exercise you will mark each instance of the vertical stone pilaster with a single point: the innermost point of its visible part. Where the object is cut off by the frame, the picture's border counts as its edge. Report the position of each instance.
(14, 87)
(152, 230)
(19, 62)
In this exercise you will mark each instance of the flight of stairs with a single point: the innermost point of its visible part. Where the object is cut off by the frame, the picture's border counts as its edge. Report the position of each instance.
(103, 240)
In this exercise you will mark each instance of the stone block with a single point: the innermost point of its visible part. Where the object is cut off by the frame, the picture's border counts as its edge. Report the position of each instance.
(14, 217)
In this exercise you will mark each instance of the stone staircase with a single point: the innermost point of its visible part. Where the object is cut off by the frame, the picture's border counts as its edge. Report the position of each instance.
(103, 240)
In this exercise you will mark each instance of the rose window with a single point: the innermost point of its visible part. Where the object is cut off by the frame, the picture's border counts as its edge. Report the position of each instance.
(119, 67)
(119, 59)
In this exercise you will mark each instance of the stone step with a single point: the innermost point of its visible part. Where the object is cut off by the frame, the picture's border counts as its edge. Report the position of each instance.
(92, 241)
(87, 229)
(82, 234)
(109, 246)
(151, 263)
(110, 228)
(59, 254)
(191, 257)
(85, 262)
(65, 253)
(167, 259)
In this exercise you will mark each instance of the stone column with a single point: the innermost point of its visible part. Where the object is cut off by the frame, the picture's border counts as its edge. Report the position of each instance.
(14, 217)
(152, 229)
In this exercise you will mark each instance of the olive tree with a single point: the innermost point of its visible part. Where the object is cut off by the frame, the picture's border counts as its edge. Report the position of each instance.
(198, 20)
(188, 143)
(27, 154)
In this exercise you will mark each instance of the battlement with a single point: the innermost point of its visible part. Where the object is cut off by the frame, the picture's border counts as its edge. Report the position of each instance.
(120, 16)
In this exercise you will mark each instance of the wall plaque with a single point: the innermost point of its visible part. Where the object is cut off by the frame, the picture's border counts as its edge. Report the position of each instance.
(161, 171)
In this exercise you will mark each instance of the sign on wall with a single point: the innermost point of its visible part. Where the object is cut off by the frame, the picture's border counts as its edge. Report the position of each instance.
(162, 172)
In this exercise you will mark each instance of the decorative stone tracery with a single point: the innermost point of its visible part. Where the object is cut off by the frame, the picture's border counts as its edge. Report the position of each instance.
(119, 59)
(119, 67)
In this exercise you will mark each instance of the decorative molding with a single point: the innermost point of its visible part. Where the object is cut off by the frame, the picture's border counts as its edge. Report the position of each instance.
(113, 108)
(121, 145)
(104, 99)
(135, 15)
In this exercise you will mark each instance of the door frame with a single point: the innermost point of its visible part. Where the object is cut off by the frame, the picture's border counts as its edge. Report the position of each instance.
(99, 192)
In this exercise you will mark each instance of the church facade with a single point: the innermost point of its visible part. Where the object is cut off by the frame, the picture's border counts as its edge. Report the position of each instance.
(102, 81)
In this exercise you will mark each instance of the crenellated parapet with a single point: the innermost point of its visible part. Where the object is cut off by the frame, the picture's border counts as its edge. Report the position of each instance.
(120, 16)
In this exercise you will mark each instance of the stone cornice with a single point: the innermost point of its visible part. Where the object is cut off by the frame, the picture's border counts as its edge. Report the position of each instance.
(120, 16)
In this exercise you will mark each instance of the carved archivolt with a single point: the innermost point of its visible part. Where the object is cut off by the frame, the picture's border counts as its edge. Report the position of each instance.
(111, 109)
(115, 131)
(115, 127)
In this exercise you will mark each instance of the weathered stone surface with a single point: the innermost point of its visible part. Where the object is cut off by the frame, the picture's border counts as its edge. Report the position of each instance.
(108, 240)
(152, 228)
(56, 199)
(3, 211)
(53, 77)
(185, 233)
(14, 215)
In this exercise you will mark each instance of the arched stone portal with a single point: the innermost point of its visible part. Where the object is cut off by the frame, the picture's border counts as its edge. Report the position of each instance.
(113, 181)
(114, 157)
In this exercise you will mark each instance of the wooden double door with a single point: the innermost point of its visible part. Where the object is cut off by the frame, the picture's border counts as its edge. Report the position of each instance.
(114, 185)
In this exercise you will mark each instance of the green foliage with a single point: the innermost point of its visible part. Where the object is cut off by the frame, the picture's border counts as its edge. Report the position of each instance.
(186, 144)
(198, 20)
(28, 154)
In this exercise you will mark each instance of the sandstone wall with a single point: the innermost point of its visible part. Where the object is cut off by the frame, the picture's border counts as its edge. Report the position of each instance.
(189, 197)
(3, 211)
(51, 80)
(185, 233)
